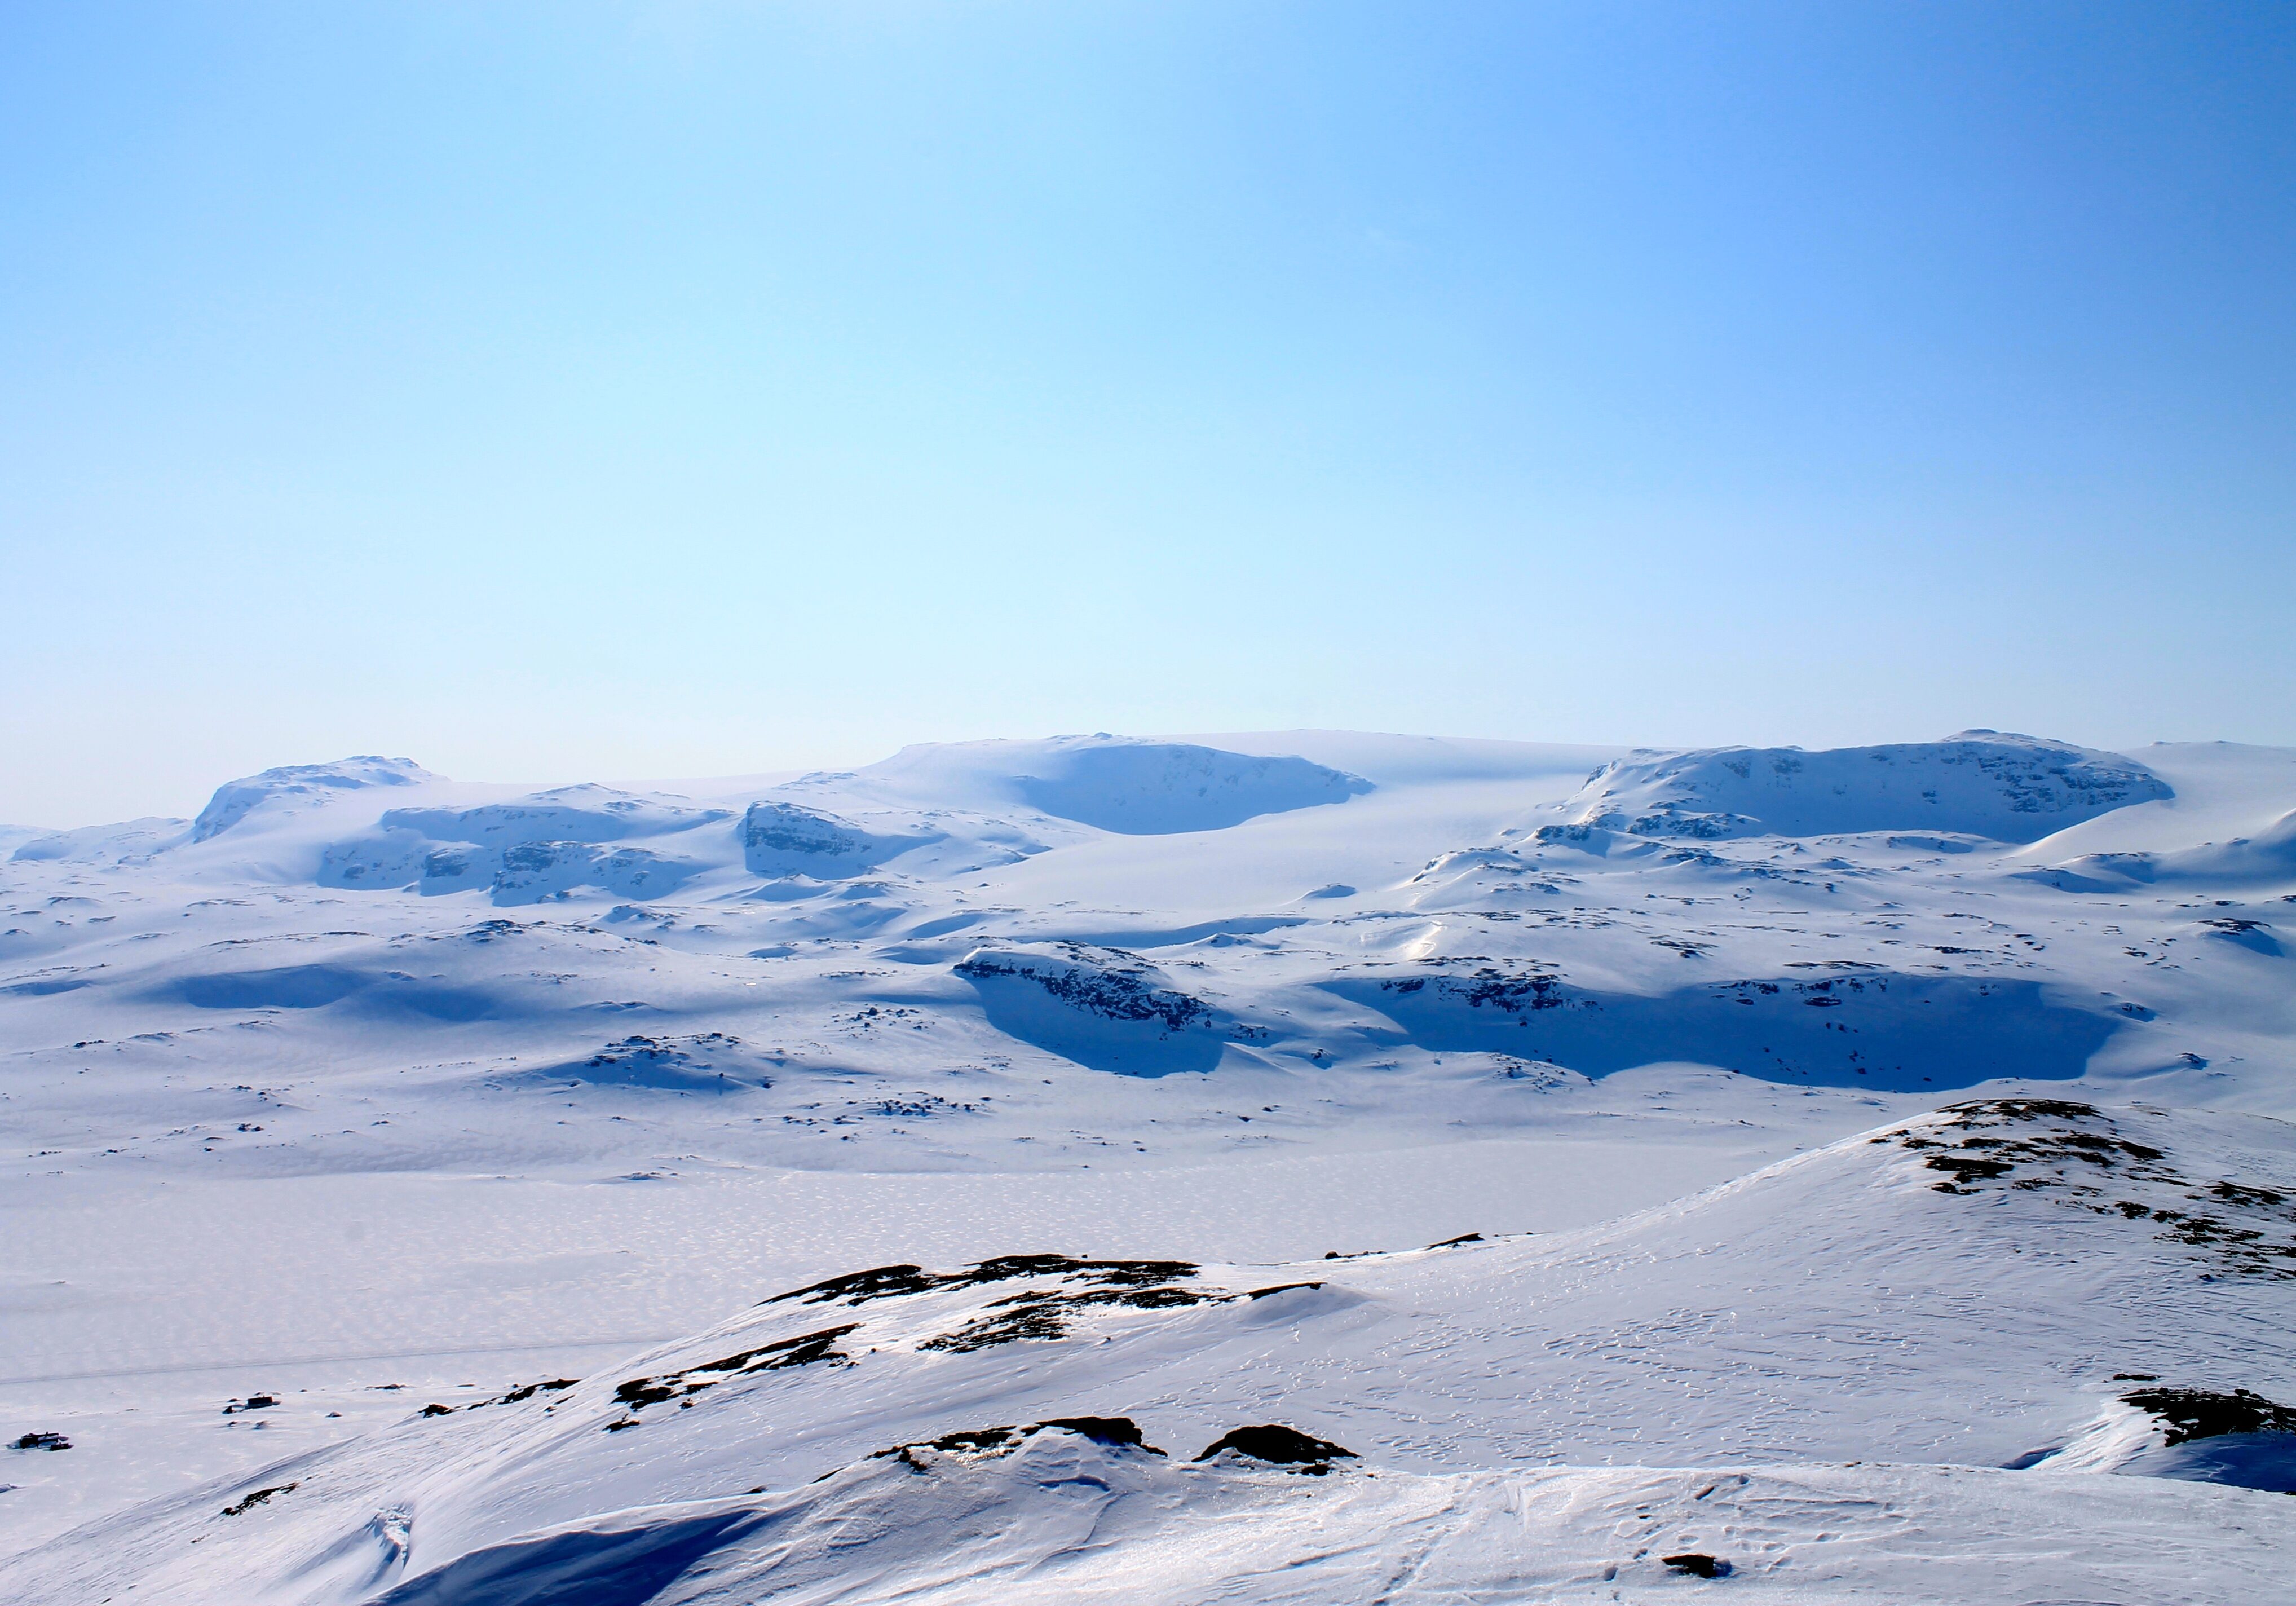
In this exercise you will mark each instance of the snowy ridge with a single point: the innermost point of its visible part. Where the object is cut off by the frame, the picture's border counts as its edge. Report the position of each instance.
(1983, 784)
(301, 785)
(2267, 858)
(115, 844)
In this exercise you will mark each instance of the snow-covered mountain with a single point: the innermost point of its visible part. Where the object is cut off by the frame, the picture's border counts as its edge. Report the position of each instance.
(1875, 1106)
(2005, 788)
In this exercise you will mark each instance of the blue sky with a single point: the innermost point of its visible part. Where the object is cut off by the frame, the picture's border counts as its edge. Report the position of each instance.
(610, 390)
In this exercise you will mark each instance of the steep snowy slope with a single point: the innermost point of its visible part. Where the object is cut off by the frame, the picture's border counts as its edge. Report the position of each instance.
(2009, 1284)
(1114, 783)
(12, 837)
(297, 788)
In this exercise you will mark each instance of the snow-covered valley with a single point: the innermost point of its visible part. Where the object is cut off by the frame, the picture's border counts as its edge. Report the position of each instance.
(1872, 1157)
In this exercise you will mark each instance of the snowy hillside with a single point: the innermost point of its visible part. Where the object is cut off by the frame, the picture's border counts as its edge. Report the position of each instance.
(2008, 788)
(370, 1090)
(2009, 1286)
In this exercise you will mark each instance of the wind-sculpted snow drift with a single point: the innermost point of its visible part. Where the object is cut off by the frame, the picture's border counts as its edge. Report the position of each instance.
(1044, 1074)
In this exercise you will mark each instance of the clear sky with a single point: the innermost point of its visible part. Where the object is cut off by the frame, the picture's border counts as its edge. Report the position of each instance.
(584, 390)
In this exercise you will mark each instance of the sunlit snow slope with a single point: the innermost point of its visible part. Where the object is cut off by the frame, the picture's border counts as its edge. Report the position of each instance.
(368, 1090)
(2004, 1303)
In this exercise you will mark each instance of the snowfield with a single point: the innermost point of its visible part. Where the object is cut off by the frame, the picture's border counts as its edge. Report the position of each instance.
(1851, 1176)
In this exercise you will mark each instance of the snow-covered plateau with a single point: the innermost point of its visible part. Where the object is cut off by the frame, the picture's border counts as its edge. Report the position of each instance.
(1309, 1167)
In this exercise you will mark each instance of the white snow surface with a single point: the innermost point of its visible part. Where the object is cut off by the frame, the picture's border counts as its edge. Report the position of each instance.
(1851, 1138)
(2010, 788)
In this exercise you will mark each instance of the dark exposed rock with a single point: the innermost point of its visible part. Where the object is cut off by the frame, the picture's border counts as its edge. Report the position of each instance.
(1514, 995)
(42, 1441)
(241, 1507)
(1035, 1320)
(1965, 1169)
(1115, 1432)
(2193, 1414)
(2065, 1151)
(784, 838)
(1043, 1314)
(1697, 1564)
(888, 1282)
(785, 829)
(1277, 1445)
(1107, 982)
(1518, 994)
(975, 1439)
(1119, 1432)
(2025, 1110)
(878, 1282)
(639, 1392)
